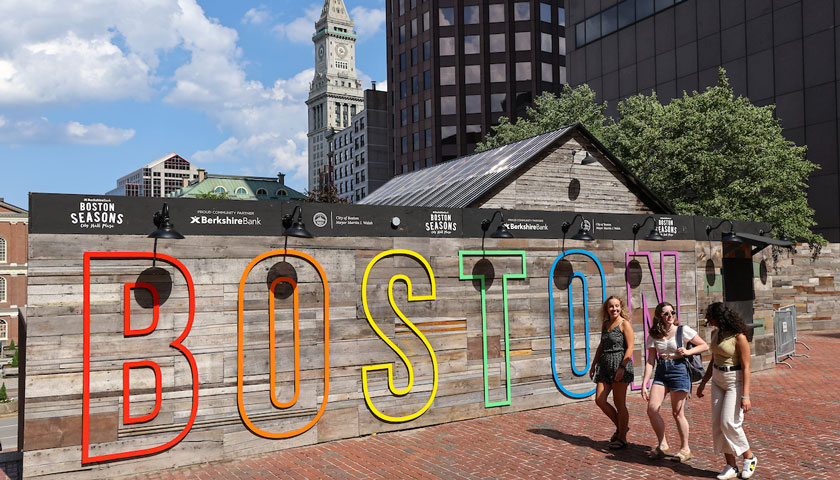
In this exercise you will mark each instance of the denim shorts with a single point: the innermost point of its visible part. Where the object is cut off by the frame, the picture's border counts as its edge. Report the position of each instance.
(672, 374)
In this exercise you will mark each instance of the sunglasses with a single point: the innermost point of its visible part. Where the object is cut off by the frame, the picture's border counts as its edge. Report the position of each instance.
(667, 314)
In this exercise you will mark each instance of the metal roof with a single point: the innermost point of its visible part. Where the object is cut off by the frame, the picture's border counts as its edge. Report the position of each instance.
(460, 182)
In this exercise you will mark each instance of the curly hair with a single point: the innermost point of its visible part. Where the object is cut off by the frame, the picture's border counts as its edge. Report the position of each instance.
(728, 320)
(658, 330)
(605, 314)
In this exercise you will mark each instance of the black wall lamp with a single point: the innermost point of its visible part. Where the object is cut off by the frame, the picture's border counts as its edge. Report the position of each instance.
(165, 228)
(501, 231)
(781, 235)
(653, 236)
(730, 236)
(295, 228)
(582, 233)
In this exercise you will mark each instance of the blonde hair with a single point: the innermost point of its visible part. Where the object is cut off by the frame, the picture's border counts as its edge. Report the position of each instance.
(605, 314)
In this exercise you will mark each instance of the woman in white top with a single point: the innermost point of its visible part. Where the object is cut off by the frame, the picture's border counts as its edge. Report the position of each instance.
(671, 376)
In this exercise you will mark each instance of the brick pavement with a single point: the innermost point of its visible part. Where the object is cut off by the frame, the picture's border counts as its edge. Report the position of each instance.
(794, 429)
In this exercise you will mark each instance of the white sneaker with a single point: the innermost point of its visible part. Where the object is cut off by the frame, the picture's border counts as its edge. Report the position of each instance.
(749, 467)
(728, 472)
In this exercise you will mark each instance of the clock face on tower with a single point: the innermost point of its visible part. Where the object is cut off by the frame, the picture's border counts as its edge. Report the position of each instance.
(321, 52)
(341, 51)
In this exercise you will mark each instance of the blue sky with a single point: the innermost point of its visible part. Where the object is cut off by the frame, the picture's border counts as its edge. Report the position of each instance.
(93, 89)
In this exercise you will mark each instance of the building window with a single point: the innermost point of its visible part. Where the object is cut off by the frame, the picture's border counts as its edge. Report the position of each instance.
(523, 71)
(241, 191)
(415, 113)
(447, 17)
(414, 57)
(473, 103)
(427, 50)
(609, 21)
(415, 140)
(413, 32)
(547, 74)
(429, 162)
(220, 189)
(561, 78)
(403, 89)
(415, 84)
(561, 46)
(497, 102)
(471, 15)
(402, 62)
(404, 145)
(497, 72)
(447, 46)
(2, 250)
(448, 135)
(427, 22)
(472, 74)
(546, 42)
(561, 16)
(2, 290)
(545, 12)
(497, 42)
(402, 7)
(522, 41)
(496, 12)
(4, 330)
(427, 108)
(447, 75)
(429, 141)
(403, 117)
(261, 191)
(473, 133)
(472, 44)
(521, 11)
(427, 79)
(447, 105)
(402, 33)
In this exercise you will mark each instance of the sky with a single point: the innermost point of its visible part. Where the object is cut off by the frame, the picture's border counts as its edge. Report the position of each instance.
(91, 90)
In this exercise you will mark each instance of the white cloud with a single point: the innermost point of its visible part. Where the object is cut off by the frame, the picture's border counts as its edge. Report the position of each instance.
(42, 131)
(300, 30)
(367, 21)
(257, 15)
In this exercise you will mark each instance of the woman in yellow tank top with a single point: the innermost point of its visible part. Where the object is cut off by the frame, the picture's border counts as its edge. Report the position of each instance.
(729, 371)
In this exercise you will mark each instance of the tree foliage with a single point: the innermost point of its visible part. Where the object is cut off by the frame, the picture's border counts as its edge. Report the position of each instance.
(549, 113)
(326, 193)
(4, 397)
(213, 195)
(14, 362)
(707, 153)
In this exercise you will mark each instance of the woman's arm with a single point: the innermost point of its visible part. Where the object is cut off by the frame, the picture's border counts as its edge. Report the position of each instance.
(700, 346)
(743, 347)
(706, 377)
(627, 330)
(651, 359)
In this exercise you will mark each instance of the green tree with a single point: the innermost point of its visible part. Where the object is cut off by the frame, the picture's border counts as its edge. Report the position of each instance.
(14, 362)
(12, 344)
(715, 154)
(550, 112)
(324, 194)
(4, 397)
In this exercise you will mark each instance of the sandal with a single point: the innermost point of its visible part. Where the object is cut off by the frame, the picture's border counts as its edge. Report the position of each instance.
(618, 444)
(614, 436)
(682, 456)
(658, 453)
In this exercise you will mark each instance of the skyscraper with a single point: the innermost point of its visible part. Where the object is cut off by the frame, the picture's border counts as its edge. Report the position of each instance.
(335, 94)
(782, 52)
(456, 66)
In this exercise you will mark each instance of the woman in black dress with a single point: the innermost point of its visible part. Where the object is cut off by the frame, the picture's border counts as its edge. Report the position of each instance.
(612, 367)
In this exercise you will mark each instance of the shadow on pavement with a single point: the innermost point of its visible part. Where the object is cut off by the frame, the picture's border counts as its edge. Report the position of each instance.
(634, 453)
(825, 334)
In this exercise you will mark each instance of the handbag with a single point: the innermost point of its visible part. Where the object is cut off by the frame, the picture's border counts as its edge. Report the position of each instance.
(693, 363)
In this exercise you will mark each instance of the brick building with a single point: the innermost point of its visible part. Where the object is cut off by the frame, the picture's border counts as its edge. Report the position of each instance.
(14, 229)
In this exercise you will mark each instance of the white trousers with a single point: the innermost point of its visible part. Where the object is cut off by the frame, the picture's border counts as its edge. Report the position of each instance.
(727, 414)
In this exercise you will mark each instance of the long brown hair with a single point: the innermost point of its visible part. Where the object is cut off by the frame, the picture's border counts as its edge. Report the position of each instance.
(605, 314)
(657, 330)
(729, 322)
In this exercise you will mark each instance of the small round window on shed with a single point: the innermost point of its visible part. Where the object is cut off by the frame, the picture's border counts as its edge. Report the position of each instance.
(220, 189)
(241, 191)
(282, 193)
(261, 191)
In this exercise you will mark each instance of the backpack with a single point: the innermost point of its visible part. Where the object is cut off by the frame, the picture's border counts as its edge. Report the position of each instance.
(693, 363)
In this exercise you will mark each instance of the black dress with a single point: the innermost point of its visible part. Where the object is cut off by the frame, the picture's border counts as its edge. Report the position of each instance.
(613, 346)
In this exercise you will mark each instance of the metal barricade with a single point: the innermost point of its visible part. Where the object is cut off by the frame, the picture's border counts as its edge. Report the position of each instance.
(784, 330)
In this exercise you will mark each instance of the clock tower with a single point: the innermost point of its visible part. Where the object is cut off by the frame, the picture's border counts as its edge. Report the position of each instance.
(335, 93)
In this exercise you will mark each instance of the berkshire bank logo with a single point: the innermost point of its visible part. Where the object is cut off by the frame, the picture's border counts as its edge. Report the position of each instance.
(99, 213)
(225, 217)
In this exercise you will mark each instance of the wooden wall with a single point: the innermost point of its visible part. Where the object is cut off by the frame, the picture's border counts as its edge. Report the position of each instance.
(452, 323)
